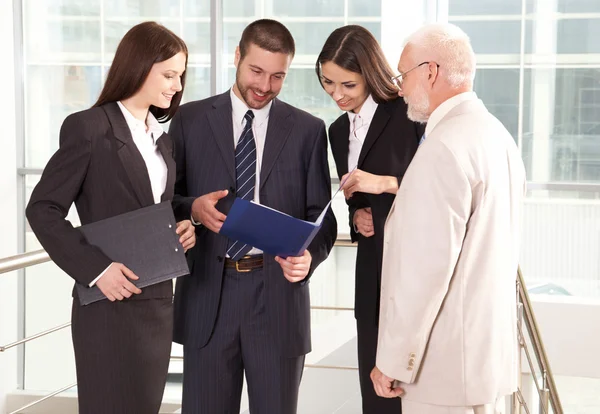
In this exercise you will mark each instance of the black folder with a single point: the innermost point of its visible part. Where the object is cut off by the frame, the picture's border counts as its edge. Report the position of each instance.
(144, 240)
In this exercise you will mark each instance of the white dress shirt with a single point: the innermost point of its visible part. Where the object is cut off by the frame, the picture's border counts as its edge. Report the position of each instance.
(259, 130)
(359, 126)
(145, 135)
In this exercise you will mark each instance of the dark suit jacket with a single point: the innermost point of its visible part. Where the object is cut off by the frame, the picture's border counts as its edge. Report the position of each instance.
(294, 179)
(99, 167)
(389, 146)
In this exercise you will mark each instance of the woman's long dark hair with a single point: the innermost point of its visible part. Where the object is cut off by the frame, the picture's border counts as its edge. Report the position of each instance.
(354, 48)
(142, 46)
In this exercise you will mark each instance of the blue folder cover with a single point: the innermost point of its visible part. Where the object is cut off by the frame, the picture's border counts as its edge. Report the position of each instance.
(270, 230)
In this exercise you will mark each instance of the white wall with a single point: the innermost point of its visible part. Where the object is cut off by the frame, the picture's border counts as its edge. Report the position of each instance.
(569, 330)
(8, 205)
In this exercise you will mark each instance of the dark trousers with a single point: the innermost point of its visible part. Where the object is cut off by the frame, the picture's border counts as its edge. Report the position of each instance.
(240, 343)
(367, 332)
(122, 352)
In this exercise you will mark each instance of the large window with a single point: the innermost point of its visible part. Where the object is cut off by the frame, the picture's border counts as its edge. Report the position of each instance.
(539, 73)
(68, 48)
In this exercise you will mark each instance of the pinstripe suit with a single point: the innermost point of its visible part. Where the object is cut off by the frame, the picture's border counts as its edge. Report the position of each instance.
(259, 322)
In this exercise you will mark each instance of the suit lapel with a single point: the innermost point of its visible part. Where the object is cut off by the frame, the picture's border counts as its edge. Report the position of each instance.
(165, 146)
(222, 128)
(339, 145)
(278, 131)
(380, 120)
(130, 156)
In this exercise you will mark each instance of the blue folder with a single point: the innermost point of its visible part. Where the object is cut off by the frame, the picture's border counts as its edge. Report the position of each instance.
(270, 230)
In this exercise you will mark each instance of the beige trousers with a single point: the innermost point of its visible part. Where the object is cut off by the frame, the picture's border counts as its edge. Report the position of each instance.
(412, 407)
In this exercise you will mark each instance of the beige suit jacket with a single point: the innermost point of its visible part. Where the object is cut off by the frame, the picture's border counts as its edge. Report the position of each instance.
(448, 298)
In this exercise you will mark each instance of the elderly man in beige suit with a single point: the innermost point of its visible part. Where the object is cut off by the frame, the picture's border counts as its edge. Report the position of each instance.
(447, 341)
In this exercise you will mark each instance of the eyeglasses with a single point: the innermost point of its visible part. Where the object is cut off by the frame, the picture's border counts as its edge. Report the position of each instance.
(400, 78)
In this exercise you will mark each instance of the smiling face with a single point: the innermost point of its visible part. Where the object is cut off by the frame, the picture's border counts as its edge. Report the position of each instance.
(260, 75)
(163, 82)
(348, 89)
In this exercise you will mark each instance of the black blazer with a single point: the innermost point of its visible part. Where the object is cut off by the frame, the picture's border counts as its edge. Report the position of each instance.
(294, 179)
(389, 146)
(99, 167)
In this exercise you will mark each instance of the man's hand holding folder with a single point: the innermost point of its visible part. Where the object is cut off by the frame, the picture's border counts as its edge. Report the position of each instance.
(205, 213)
(295, 269)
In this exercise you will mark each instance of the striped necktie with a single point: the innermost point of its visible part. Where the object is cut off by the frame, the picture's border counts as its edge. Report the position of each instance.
(245, 172)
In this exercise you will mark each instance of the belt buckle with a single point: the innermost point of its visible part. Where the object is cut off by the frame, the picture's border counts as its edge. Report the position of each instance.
(237, 266)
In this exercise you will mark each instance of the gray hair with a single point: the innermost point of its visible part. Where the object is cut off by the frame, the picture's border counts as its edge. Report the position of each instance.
(448, 46)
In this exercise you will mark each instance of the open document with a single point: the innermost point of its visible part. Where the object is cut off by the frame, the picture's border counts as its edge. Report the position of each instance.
(270, 230)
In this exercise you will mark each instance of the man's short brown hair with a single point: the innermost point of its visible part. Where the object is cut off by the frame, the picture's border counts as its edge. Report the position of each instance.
(268, 35)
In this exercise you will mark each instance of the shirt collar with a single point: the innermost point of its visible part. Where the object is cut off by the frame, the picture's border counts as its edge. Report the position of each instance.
(367, 111)
(135, 124)
(441, 111)
(239, 109)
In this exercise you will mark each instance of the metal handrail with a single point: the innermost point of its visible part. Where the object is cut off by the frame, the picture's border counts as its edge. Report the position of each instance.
(21, 261)
(32, 337)
(532, 369)
(44, 398)
(40, 256)
(331, 308)
(522, 401)
(538, 346)
(180, 358)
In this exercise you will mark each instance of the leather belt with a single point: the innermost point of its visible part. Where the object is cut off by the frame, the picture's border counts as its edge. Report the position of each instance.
(246, 263)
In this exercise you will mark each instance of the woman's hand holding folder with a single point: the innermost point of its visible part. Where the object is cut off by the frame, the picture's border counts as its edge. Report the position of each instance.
(187, 234)
(114, 282)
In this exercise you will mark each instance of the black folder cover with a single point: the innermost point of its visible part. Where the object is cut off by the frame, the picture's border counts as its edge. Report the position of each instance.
(144, 240)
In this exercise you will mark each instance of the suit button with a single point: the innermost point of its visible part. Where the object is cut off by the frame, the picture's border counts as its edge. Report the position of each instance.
(220, 258)
(232, 190)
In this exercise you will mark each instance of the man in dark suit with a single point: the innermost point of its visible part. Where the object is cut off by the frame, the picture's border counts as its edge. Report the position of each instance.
(242, 310)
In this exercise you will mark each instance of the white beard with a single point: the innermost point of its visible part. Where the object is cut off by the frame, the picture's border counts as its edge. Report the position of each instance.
(418, 105)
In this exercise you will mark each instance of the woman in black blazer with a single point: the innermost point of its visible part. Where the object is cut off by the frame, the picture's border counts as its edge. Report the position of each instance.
(112, 159)
(374, 142)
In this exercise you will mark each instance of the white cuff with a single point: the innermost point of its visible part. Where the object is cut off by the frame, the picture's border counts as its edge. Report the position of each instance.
(99, 276)
(354, 224)
(194, 222)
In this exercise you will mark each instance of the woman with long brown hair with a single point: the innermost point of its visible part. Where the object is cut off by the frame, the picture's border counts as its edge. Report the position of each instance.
(372, 144)
(115, 158)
